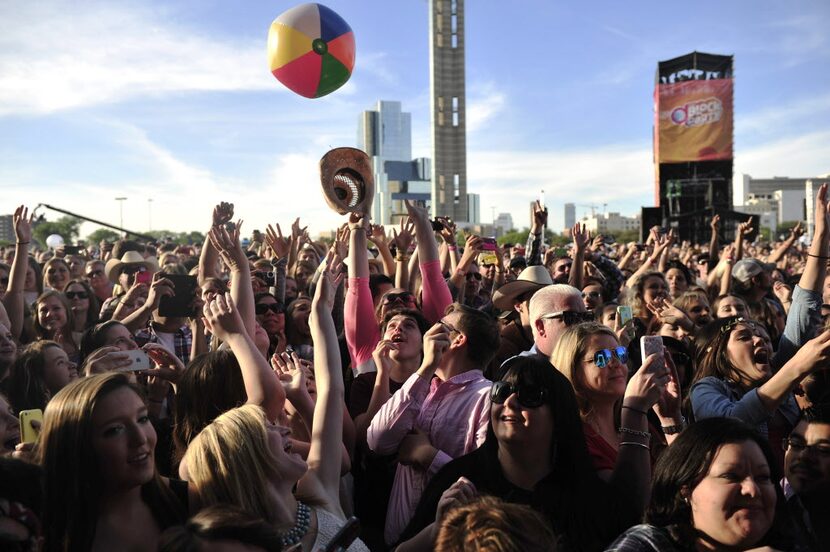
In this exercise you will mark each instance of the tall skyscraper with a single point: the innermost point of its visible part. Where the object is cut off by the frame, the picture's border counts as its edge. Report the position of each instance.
(448, 109)
(384, 133)
(570, 215)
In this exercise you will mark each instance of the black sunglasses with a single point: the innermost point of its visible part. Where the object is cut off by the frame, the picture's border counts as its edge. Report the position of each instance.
(94, 273)
(529, 396)
(132, 269)
(476, 275)
(78, 294)
(569, 317)
(262, 308)
(602, 358)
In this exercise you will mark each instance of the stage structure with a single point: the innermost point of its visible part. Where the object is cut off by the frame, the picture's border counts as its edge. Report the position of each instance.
(693, 141)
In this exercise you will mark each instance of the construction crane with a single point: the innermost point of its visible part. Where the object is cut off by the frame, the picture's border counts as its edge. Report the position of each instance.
(593, 207)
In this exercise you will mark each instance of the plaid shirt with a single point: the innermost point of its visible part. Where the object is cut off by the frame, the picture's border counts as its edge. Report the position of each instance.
(182, 340)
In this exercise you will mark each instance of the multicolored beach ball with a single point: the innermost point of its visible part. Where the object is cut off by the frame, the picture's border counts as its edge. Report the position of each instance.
(311, 50)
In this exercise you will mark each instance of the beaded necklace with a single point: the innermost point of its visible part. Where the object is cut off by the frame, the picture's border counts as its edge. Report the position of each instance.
(300, 528)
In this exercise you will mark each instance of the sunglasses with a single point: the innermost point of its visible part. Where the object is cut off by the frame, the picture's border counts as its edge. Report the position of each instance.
(76, 294)
(591, 294)
(569, 317)
(95, 273)
(602, 358)
(132, 269)
(404, 297)
(529, 396)
(262, 308)
(476, 275)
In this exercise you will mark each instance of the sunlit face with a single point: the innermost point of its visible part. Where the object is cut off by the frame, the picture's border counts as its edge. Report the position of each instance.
(749, 354)
(607, 383)
(561, 271)
(299, 316)
(272, 321)
(119, 336)
(654, 287)
(96, 277)
(78, 298)
(57, 275)
(699, 311)
(404, 332)
(9, 427)
(734, 504)
(592, 296)
(731, 306)
(609, 316)
(303, 275)
(51, 314)
(30, 284)
(123, 440)
(290, 465)
(76, 266)
(519, 426)
(677, 281)
(58, 370)
(808, 468)
(291, 289)
(674, 330)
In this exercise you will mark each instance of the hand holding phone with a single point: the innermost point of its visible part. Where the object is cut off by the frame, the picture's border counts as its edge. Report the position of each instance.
(624, 315)
(139, 361)
(30, 423)
(653, 344)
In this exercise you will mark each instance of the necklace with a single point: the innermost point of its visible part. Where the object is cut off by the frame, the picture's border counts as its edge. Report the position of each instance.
(300, 528)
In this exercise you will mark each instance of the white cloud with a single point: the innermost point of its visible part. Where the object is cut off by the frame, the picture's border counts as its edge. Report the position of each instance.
(802, 156)
(54, 56)
(484, 103)
(785, 118)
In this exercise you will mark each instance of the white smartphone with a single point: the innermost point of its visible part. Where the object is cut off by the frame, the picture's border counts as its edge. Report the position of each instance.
(139, 361)
(649, 345)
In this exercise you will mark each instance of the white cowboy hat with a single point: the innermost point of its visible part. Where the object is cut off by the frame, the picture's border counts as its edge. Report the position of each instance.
(134, 258)
(533, 278)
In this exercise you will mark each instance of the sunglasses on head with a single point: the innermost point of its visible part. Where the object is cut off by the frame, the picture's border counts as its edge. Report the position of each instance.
(529, 396)
(404, 297)
(569, 317)
(262, 308)
(76, 294)
(602, 358)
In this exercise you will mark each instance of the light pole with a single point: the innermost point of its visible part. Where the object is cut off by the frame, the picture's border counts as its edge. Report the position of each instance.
(149, 214)
(120, 201)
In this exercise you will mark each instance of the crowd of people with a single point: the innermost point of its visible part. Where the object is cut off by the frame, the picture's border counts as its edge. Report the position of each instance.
(393, 390)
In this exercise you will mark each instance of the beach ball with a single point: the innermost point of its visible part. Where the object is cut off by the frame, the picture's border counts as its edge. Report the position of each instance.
(53, 241)
(311, 50)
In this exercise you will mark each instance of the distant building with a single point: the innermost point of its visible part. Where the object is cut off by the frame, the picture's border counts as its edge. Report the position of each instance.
(610, 223)
(473, 208)
(385, 134)
(776, 200)
(504, 223)
(7, 228)
(448, 109)
(570, 216)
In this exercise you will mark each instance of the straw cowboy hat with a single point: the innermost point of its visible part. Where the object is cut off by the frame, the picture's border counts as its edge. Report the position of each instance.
(533, 278)
(130, 258)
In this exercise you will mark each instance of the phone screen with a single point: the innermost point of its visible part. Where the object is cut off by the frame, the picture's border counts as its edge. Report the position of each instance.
(181, 303)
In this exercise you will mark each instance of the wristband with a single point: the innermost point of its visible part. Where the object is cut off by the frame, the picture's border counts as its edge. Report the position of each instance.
(808, 254)
(452, 247)
(675, 429)
(402, 258)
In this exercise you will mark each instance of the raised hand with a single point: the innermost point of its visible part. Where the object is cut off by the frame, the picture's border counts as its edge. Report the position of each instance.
(745, 228)
(105, 359)
(168, 366)
(281, 246)
(341, 242)
(460, 493)
(436, 341)
(646, 385)
(222, 213)
(796, 231)
(222, 318)
(289, 370)
(328, 283)
(296, 231)
(448, 230)
(403, 238)
(666, 311)
(381, 356)
(668, 405)
(378, 234)
(822, 210)
(715, 224)
(416, 212)
(22, 222)
(227, 243)
(540, 217)
(581, 236)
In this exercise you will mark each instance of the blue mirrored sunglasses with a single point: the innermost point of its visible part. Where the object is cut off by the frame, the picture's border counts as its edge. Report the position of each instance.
(602, 358)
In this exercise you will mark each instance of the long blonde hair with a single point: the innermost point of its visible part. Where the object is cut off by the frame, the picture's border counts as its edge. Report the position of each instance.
(230, 462)
(568, 354)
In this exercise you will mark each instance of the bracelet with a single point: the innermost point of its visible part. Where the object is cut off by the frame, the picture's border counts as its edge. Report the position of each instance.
(634, 432)
(635, 443)
(637, 410)
(402, 258)
(808, 254)
(675, 429)
(452, 247)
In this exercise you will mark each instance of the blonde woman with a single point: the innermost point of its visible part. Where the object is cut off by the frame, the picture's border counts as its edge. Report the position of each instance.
(260, 477)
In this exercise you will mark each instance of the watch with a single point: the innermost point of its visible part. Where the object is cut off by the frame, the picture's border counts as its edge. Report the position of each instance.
(675, 429)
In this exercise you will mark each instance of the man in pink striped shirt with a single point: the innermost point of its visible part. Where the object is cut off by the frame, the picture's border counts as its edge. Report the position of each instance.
(440, 413)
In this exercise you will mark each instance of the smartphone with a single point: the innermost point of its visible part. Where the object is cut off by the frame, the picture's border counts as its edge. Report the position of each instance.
(181, 303)
(437, 225)
(140, 361)
(71, 249)
(649, 345)
(345, 536)
(144, 277)
(624, 314)
(488, 244)
(28, 434)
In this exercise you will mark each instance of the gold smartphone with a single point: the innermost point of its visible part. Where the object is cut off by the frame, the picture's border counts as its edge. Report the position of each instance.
(29, 433)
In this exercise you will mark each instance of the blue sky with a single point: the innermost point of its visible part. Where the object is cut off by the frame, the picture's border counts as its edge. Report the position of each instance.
(173, 101)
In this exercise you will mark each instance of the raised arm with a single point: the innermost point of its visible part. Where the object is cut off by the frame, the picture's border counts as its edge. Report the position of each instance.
(660, 245)
(813, 276)
(262, 388)
(743, 230)
(14, 300)
(436, 294)
(539, 219)
(402, 240)
(581, 237)
(228, 246)
(714, 242)
(380, 240)
(222, 214)
(280, 249)
(327, 432)
(795, 232)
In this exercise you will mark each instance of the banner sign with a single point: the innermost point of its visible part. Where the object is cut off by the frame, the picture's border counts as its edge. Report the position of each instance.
(693, 121)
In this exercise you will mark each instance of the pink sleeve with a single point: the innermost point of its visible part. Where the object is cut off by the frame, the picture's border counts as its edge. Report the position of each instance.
(437, 295)
(362, 332)
(396, 418)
